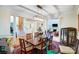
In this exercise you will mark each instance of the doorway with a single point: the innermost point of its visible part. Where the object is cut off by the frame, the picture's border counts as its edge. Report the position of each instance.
(54, 26)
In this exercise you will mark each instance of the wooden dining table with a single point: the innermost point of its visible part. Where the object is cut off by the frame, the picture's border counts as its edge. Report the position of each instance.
(35, 42)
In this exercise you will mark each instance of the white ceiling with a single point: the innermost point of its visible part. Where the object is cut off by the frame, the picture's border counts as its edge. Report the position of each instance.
(48, 10)
(52, 11)
(66, 8)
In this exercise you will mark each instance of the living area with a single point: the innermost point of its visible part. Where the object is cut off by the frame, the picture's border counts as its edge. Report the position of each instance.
(39, 29)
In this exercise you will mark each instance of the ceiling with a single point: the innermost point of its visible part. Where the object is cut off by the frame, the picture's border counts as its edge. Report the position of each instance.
(49, 11)
(52, 11)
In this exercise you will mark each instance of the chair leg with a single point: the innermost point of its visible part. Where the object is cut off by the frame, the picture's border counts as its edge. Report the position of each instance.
(50, 44)
(41, 51)
(25, 52)
(21, 51)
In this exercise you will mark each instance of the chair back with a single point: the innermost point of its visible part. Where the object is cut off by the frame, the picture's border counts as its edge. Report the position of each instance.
(29, 36)
(22, 44)
(36, 34)
(42, 44)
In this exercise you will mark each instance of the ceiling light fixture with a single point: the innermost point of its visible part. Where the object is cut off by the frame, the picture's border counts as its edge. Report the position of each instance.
(38, 19)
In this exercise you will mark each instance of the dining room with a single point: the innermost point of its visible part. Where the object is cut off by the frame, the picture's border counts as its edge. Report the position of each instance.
(38, 29)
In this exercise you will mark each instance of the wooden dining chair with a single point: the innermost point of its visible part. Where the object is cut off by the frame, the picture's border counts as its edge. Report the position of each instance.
(49, 48)
(41, 47)
(36, 34)
(25, 47)
(29, 36)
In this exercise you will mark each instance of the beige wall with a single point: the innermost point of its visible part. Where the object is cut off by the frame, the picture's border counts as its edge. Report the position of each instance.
(68, 20)
(4, 22)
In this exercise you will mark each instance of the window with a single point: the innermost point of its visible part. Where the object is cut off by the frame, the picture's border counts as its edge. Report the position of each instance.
(11, 24)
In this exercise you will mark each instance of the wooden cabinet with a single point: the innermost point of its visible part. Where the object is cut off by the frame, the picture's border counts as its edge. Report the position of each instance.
(68, 35)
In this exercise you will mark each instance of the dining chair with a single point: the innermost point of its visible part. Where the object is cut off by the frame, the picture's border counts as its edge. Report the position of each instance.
(41, 47)
(49, 49)
(25, 47)
(36, 34)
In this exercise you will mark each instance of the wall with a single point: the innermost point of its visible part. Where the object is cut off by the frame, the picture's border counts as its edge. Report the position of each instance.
(53, 21)
(4, 21)
(68, 20)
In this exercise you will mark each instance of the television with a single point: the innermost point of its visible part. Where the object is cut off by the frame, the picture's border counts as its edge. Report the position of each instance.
(54, 25)
(54, 30)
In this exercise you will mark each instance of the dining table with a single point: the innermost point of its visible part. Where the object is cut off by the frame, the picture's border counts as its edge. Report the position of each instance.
(36, 41)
